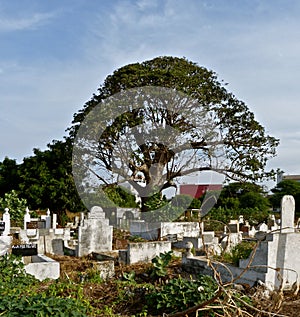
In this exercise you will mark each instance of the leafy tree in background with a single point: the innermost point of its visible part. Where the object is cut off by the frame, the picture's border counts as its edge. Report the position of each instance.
(47, 181)
(247, 146)
(285, 187)
(15, 204)
(241, 198)
(9, 176)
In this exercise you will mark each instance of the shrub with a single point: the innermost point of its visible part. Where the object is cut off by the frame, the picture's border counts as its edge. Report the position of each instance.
(179, 294)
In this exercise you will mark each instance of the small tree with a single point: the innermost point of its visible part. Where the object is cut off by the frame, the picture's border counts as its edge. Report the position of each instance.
(15, 205)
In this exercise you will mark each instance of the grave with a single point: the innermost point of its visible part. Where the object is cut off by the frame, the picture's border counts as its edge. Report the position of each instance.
(273, 262)
(159, 230)
(287, 214)
(94, 233)
(143, 251)
(42, 267)
(5, 238)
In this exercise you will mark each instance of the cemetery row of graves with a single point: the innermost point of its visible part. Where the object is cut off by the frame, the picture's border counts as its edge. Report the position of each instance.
(175, 266)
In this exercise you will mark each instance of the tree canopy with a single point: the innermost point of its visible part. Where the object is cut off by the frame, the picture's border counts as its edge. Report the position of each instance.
(285, 187)
(160, 120)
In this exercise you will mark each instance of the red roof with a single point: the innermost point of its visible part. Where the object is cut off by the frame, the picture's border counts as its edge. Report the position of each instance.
(197, 191)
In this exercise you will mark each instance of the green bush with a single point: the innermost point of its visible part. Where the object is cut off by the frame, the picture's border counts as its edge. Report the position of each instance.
(20, 294)
(179, 294)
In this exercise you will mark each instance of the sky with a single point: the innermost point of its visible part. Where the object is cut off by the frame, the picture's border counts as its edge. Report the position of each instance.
(55, 54)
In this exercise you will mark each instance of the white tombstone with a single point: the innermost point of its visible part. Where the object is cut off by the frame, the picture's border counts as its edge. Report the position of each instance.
(48, 219)
(54, 221)
(233, 226)
(287, 214)
(252, 232)
(263, 227)
(94, 233)
(6, 220)
(241, 219)
(27, 218)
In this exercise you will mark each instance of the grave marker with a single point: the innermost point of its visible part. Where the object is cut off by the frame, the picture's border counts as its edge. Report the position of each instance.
(287, 214)
(24, 249)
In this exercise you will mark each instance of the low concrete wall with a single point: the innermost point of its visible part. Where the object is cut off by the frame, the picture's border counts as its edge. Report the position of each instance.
(157, 230)
(43, 267)
(198, 265)
(143, 251)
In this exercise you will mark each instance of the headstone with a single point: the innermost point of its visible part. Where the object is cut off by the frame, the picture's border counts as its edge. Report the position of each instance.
(252, 232)
(233, 226)
(24, 249)
(96, 213)
(263, 227)
(94, 233)
(241, 219)
(27, 218)
(245, 228)
(287, 214)
(54, 221)
(47, 219)
(6, 220)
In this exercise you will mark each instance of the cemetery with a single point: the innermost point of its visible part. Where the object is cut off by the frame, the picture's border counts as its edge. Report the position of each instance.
(272, 263)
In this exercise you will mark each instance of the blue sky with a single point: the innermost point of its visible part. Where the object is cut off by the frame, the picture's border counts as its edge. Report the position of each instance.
(55, 54)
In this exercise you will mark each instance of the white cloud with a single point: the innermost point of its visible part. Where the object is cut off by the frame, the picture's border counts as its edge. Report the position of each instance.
(8, 24)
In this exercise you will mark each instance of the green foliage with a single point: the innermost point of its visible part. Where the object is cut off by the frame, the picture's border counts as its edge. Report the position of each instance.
(238, 252)
(237, 199)
(120, 197)
(285, 187)
(12, 272)
(160, 263)
(154, 202)
(243, 195)
(129, 276)
(218, 217)
(47, 179)
(16, 206)
(9, 176)
(179, 294)
(136, 239)
(20, 296)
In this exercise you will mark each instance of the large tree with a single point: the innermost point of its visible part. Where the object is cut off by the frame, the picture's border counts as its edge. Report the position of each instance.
(152, 123)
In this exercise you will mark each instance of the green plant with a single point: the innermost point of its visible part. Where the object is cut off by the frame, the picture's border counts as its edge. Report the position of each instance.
(136, 239)
(129, 276)
(179, 294)
(21, 295)
(240, 251)
(160, 263)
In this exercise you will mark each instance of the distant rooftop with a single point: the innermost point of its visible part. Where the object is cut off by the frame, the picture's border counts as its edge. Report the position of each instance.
(291, 177)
